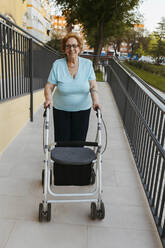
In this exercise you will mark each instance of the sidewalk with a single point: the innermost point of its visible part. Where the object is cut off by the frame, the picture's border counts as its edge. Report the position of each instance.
(128, 222)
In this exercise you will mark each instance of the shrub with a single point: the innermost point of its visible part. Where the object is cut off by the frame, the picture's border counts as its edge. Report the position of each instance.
(155, 69)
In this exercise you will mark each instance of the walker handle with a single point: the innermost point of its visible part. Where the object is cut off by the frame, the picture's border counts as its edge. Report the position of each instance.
(75, 143)
(98, 112)
(45, 111)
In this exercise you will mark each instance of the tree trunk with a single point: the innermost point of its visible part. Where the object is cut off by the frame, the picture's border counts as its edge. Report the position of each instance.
(99, 45)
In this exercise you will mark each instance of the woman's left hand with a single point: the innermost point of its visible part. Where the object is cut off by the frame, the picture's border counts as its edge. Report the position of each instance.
(96, 106)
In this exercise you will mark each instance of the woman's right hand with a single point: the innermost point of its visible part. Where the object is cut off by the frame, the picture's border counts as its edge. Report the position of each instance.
(48, 103)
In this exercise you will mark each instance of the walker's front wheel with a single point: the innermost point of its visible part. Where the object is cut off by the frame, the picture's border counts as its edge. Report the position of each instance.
(101, 212)
(97, 213)
(44, 214)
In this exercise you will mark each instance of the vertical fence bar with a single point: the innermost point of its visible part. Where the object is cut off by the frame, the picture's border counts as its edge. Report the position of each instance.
(17, 63)
(2, 63)
(8, 60)
(12, 58)
(6, 95)
(31, 77)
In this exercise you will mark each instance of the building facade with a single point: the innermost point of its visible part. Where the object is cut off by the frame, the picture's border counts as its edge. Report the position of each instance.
(37, 19)
(32, 15)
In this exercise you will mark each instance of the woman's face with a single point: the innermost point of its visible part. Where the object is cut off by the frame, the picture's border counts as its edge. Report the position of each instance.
(72, 48)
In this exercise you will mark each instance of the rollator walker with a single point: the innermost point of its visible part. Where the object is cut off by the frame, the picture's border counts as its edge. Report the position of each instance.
(72, 163)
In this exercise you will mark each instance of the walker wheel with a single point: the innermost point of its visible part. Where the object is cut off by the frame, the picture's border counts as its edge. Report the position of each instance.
(49, 212)
(43, 177)
(41, 212)
(101, 212)
(44, 214)
(93, 211)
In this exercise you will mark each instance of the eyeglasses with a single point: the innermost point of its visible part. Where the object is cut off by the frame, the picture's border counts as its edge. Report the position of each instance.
(70, 46)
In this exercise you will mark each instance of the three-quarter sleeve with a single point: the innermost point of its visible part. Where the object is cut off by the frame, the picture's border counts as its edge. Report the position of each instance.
(92, 75)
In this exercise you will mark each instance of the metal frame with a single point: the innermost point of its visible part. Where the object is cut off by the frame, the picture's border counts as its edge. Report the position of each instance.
(81, 197)
(143, 116)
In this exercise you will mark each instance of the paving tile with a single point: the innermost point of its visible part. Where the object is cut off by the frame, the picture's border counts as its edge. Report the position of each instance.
(119, 238)
(108, 175)
(118, 164)
(6, 228)
(27, 170)
(5, 169)
(19, 187)
(125, 217)
(123, 196)
(127, 222)
(33, 234)
(127, 179)
(19, 208)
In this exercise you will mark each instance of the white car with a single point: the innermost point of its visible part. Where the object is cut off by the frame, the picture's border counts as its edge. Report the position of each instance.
(147, 59)
(87, 52)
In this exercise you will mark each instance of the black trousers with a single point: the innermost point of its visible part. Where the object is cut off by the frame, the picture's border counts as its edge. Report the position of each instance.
(71, 126)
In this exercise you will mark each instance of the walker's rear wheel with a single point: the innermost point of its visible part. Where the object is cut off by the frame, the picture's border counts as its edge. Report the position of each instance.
(41, 212)
(43, 177)
(49, 212)
(93, 211)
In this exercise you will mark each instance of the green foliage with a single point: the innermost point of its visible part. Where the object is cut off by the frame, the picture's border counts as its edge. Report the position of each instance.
(99, 75)
(55, 43)
(157, 47)
(100, 19)
(155, 79)
(139, 42)
(155, 69)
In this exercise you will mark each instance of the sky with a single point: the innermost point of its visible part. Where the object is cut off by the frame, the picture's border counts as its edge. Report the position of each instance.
(153, 11)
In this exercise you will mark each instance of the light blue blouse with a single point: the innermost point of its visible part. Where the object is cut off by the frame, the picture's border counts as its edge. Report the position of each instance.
(72, 94)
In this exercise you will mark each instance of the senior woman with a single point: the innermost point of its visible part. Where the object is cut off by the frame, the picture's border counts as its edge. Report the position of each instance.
(75, 92)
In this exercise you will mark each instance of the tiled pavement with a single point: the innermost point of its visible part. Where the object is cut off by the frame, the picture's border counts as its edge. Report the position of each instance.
(128, 222)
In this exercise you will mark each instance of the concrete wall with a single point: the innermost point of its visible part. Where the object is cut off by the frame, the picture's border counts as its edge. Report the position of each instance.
(14, 114)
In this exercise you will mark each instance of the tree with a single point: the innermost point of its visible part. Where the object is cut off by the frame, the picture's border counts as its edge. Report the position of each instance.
(98, 18)
(137, 41)
(55, 42)
(158, 42)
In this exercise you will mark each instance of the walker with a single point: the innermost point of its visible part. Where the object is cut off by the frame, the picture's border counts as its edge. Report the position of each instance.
(77, 159)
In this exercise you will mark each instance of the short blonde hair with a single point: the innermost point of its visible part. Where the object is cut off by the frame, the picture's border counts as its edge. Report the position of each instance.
(71, 35)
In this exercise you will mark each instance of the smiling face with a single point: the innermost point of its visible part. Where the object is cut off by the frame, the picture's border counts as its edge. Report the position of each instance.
(72, 48)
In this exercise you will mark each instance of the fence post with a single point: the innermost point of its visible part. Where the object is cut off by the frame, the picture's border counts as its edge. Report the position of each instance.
(31, 77)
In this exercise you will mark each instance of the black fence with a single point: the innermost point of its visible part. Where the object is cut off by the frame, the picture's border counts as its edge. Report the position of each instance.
(143, 116)
(25, 62)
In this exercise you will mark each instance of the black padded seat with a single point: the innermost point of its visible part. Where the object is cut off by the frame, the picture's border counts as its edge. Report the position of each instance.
(72, 155)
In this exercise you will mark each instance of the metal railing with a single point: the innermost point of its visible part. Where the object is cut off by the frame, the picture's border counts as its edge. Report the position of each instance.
(25, 62)
(143, 116)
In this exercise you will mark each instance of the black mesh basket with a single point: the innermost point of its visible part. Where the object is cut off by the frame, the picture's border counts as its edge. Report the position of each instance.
(72, 174)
